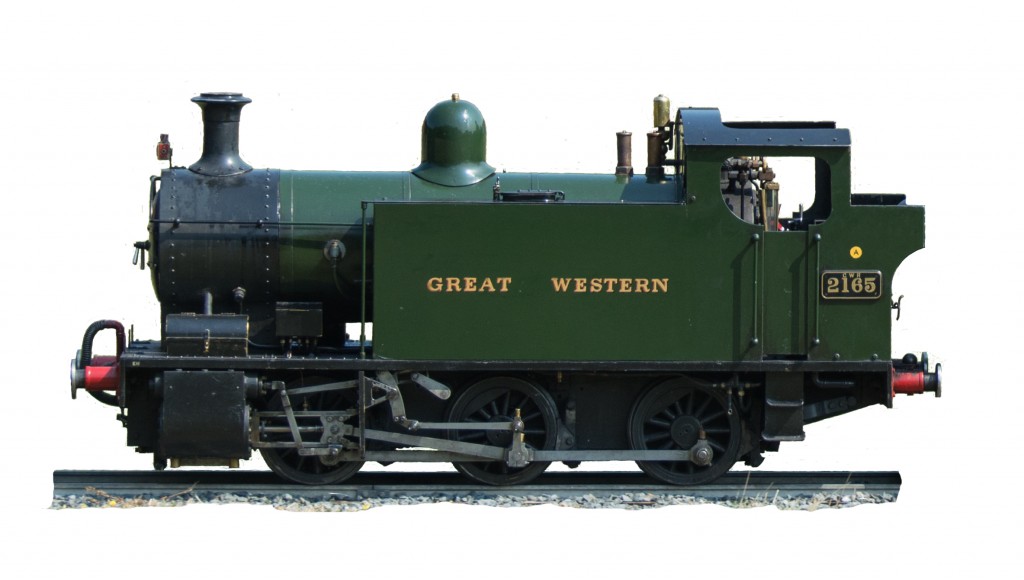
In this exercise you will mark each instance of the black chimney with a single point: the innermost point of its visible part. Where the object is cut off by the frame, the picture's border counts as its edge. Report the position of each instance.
(221, 113)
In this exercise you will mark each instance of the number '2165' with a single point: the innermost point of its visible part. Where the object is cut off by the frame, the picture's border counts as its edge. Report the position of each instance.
(851, 284)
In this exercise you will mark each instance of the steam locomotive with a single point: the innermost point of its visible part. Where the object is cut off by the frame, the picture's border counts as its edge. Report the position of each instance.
(674, 317)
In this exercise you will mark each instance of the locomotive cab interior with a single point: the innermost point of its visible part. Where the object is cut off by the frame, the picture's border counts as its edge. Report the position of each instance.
(759, 189)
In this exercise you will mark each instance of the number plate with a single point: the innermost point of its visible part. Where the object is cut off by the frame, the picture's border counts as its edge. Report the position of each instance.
(851, 284)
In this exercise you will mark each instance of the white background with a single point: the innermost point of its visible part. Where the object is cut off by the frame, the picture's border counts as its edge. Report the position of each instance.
(926, 90)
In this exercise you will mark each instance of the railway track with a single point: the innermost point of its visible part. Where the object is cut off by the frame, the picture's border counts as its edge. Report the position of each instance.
(449, 486)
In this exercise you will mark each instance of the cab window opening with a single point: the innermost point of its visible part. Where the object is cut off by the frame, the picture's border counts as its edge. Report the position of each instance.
(763, 190)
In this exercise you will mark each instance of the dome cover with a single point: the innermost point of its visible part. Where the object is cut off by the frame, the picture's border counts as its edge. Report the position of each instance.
(454, 144)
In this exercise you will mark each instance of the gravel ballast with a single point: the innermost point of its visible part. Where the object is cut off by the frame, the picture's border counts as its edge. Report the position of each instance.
(98, 499)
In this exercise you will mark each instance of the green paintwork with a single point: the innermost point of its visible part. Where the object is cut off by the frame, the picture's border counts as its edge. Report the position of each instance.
(533, 243)
(334, 199)
(736, 292)
(860, 330)
(787, 282)
(454, 145)
(793, 312)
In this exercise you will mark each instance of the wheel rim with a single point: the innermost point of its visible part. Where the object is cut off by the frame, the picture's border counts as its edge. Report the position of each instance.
(309, 469)
(495, 400)
(670, 416)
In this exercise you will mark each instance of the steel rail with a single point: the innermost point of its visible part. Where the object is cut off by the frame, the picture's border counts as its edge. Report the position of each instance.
(370, 484)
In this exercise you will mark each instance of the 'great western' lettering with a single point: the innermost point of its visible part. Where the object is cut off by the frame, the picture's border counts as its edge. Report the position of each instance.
(468, 284)
(620, 285)
(502, 284)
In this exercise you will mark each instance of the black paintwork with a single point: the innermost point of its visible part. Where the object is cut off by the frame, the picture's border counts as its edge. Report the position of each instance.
(218, 234)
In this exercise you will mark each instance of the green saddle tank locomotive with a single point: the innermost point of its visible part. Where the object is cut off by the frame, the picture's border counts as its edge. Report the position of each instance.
(672, 317)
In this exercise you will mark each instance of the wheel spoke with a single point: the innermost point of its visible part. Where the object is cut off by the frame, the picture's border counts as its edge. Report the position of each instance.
(721, 413)
(524, 402)
(531, 417)
(703, 406)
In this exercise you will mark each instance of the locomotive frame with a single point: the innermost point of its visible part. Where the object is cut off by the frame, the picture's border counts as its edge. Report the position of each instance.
(255, 289)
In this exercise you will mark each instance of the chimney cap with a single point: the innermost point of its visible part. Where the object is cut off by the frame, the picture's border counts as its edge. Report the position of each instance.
(222, 98)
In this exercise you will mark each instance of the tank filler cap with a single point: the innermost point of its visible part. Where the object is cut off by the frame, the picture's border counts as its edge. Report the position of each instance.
(454, 151)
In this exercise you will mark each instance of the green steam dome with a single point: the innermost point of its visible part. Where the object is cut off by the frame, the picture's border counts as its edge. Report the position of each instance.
(454, 144)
